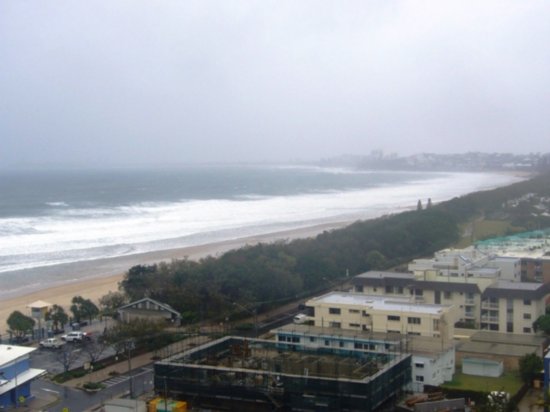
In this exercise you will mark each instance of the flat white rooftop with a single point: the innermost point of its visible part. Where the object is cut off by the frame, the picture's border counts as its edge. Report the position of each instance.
(503, 284)
(381, 303)
(9, 353)
(382, 275)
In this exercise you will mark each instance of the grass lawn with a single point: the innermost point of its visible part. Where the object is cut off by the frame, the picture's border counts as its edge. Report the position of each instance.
(484, 229)
(508, 382)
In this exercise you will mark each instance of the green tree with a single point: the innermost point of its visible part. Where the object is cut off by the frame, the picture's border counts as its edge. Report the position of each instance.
(376, 260)
(83, 309)
(110, 302)
(57, 315)
(542, 324)
(529, 366)
(20, 324)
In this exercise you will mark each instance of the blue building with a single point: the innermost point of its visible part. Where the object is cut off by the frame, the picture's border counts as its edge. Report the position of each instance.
(16, 375)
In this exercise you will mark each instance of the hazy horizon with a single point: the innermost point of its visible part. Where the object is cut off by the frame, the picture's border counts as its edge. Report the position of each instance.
(120, 84)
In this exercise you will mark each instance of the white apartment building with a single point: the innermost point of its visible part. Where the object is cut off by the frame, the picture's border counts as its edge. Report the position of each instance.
(465, 264)
(360, 312)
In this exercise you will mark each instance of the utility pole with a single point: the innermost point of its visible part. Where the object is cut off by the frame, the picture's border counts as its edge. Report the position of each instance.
(129, 345)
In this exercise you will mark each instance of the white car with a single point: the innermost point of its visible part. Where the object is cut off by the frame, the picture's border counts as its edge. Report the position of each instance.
(300, 318)
(53, 343)
(75, 336)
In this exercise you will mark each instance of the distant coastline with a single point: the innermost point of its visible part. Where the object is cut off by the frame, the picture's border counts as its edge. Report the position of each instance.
(94, 278)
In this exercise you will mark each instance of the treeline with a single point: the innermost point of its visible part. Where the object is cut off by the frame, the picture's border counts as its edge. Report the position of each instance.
(259, 276)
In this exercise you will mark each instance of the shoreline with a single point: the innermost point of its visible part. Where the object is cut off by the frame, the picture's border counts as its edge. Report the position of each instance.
(105, 274)
(94, 278)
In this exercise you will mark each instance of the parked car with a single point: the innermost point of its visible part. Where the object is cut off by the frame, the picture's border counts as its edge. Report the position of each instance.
(300, 318)
(52, 343)
(75, 336)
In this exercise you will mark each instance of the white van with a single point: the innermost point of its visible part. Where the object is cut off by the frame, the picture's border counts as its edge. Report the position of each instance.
(300, 318)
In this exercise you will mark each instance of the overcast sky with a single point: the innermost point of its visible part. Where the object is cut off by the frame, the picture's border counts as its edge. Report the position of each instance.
(130, 82)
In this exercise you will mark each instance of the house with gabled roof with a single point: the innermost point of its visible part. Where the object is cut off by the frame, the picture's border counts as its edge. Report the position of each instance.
(149, 309)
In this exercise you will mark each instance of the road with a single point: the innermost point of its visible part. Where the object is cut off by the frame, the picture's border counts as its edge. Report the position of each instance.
(141, 381)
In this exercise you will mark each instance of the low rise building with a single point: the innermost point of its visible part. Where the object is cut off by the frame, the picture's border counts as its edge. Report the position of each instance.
(356, 311)
(149, 309)
(432, 363)
(16, 375)
(484, 303)
(235, 373)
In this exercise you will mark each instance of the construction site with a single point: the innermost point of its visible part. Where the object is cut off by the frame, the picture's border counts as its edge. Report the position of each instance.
(235, 373)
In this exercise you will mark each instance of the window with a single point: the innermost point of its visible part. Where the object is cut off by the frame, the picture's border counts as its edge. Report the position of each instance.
(295, 339)
(526, 330)
(341, 344)
(394, 318)
(334, 311)
(354, 311)
(526, 316)
(419, 292)
(419, 365)
(357, 345)
(311, 339)
(327, 342)
(527, 302)
(413, 321)
(400, 290)
(389, 289)
(354, 325)
(447, 295)
(419, 378)
(336, 325)
(359, 289)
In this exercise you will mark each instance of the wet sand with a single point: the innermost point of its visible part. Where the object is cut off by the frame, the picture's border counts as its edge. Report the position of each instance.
(96, 278)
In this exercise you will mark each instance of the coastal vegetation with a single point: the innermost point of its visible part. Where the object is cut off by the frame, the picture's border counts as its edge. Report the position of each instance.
(264, 275)
(20, 324)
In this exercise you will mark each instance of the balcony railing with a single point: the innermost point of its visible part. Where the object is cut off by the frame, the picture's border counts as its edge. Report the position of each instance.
(489, 319)
(489, 305)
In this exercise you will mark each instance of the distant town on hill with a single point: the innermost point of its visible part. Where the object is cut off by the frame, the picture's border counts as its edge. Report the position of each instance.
(472, 161)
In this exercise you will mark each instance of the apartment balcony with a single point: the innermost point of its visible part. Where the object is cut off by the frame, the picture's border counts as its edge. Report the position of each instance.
(469, 302)
(470, 315)
(490, 305)
(489, 319)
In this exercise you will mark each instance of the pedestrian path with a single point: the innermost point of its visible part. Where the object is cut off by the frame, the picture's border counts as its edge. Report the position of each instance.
(115, 381)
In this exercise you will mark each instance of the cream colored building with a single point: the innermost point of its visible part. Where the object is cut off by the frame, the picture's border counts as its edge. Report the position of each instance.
(484, 303)
(354, 311)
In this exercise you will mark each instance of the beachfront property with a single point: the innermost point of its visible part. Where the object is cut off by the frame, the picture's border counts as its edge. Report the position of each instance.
(236, 373)
(149, 309)
(484, 302)
(432, 362)
(468, 263)
(532, 248)
(384, 314)
(16, 375)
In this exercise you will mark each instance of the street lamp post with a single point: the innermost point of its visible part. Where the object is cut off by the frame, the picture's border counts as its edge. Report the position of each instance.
(129, 344)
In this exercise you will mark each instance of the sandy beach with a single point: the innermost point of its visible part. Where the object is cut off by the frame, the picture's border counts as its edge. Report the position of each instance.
(104, 275)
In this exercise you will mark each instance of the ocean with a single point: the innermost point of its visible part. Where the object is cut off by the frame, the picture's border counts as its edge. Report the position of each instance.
(54, 220)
